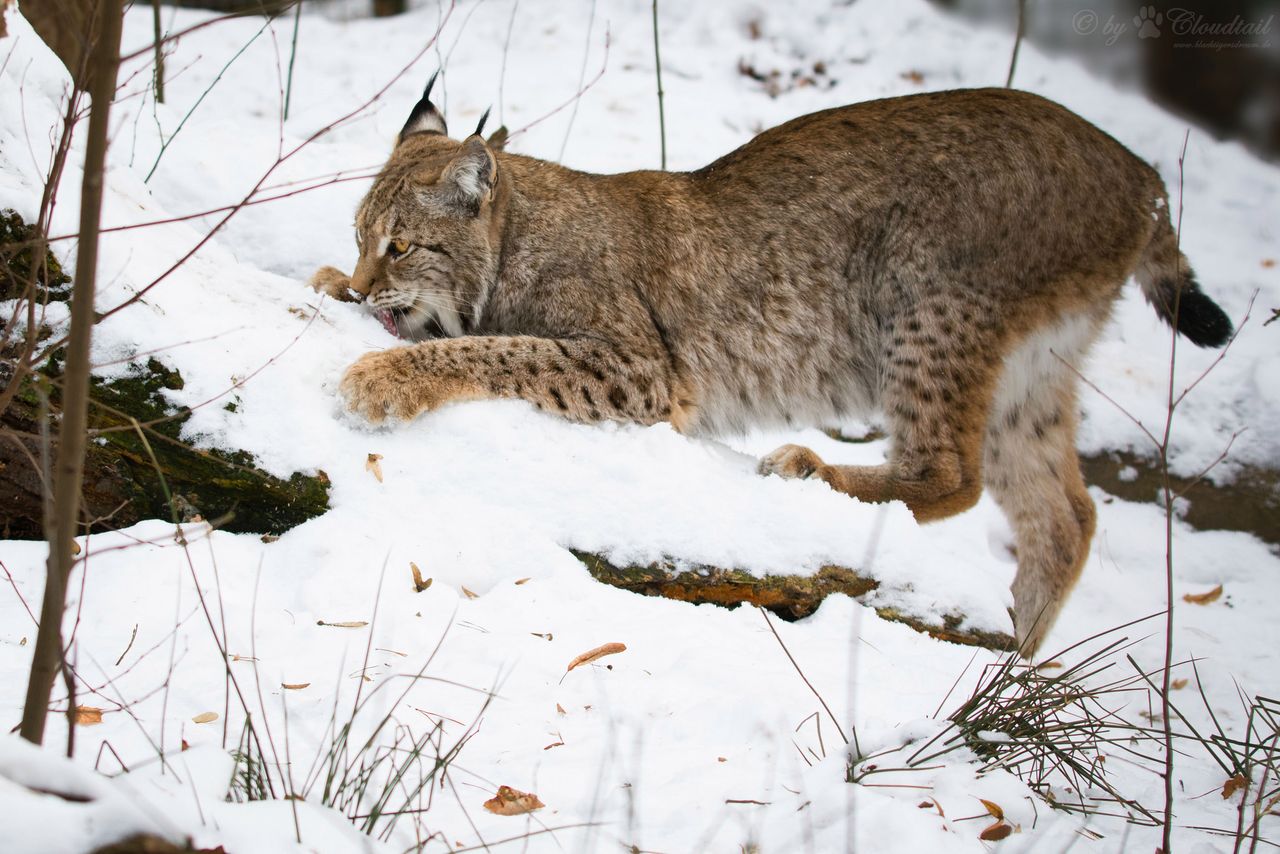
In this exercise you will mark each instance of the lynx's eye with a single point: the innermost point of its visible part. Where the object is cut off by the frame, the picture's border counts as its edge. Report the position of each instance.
(398, 247)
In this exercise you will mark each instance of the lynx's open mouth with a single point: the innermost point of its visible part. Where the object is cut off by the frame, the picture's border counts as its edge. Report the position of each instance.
(409, 324)
(387, 317)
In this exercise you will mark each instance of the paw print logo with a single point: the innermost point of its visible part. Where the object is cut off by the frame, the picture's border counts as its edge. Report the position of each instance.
(1148, 22)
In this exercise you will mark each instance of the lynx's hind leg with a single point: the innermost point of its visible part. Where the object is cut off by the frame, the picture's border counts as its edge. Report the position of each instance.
(936, 388)
(1032, 469)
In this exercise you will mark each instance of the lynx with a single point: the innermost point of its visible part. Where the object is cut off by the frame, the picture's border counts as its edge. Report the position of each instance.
(942, 259)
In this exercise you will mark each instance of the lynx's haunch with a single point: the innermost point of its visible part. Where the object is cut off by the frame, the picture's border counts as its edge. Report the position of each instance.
(941, 259)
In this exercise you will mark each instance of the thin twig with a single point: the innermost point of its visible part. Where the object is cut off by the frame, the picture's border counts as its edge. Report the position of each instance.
(657, 62)
(796, 665)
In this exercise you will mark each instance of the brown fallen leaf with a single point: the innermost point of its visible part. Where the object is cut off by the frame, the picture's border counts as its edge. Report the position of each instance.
(294, 686)
(996, 832)
(75, 547)
(511, 801)
(914, 76)
(374, 464)
(1049, 665)
(547, 636)
(418, 584)
(205, 718)
(599, 652)
(1178, 684)
(470, 594)
(344, 624)
(88, 716)
(993, 808)
(1233, 785)
(185, 746)
(1268, 263)
(560, 709)
(1204, 598)
(554, 744)
(521, 580)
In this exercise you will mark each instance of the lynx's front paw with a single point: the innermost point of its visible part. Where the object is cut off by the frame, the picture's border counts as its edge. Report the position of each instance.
(334, 283)
(790, 461)
(386, 384)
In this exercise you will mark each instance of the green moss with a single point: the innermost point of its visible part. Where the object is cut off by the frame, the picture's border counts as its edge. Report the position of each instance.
(224, 486)
(16, 241)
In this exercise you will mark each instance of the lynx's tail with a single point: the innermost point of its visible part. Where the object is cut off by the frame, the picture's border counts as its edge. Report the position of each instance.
(1170, 286)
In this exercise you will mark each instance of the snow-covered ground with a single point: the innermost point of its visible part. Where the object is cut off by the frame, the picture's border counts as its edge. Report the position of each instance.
(695, 738)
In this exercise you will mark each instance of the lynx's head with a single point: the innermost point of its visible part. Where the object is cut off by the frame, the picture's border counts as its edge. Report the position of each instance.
(428, 230)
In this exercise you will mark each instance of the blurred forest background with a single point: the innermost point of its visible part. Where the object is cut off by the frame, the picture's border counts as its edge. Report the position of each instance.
(1215, 62)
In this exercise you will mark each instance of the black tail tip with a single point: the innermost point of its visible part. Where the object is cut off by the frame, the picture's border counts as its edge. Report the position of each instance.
(1202, 321)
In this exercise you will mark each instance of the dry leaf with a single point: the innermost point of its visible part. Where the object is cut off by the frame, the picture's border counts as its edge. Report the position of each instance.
(521, 580)
(1178, 684)
(1268, 263)
(1233, 785)
(996, 832)
(547, 636)
(1204, 598)
(88, 715)
(418, 584)
(1049, 665)
(560, 709)
(511, 801)
(914, 76)
(599, 652)
(925, 805)
(996, 812)
(185, 746)
(554, 744)
(294, 686)
(344, 624)
(374, 465)
(721, 759)
(75, 547)
(205, 718)
(470, 594)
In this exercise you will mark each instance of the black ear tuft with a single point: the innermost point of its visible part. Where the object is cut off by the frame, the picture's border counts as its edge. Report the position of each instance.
(425, 118)
(483, 119)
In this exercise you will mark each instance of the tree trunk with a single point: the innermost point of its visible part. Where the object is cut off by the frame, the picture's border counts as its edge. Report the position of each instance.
(103, 48)
(387, 8)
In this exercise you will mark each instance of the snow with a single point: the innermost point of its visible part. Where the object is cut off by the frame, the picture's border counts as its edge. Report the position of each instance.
(695, 738)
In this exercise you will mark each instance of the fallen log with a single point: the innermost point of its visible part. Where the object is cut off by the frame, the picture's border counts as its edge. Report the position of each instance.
(789, 596)
(137, 464)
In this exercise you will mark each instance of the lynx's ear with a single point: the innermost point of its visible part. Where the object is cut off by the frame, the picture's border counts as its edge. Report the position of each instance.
(425, 118)
(469, 178)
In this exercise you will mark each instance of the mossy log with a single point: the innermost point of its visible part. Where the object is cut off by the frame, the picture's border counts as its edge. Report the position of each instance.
(124, 484)
(137, 466)
(789, 596)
